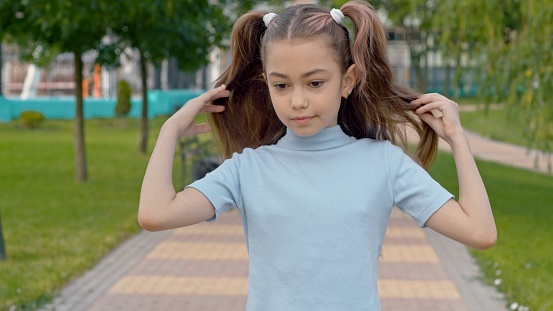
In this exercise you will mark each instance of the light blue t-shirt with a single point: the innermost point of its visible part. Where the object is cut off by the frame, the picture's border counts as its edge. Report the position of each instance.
(315, 211)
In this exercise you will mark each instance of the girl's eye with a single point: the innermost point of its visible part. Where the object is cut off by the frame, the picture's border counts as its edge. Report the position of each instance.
(280, 86)
(316, 84)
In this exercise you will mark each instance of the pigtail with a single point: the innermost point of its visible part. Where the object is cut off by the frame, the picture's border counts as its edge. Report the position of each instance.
(376, 95)
(249, 119)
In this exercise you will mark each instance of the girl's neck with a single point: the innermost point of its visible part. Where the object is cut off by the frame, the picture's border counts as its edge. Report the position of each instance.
(328, 138)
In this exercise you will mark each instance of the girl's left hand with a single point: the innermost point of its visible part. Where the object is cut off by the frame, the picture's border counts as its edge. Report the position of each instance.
(441, 114)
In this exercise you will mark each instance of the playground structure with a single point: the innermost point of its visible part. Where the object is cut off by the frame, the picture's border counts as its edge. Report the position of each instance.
(51, 90)
(159, 103)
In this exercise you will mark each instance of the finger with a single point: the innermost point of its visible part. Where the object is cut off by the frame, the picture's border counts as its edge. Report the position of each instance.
(430, 106)
(428, 118)
(436, 113)
(213, 93)
(428, 98)
(202, 128)
(225, 93)
(212, 108)
(205, 98)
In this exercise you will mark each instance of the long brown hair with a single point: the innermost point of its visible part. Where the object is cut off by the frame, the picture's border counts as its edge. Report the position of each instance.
(377, 108)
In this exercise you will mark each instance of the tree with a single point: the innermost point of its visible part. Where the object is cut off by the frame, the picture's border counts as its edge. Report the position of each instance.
(8, 14)
(463, 29)
(415, 17)
(518, 66)
(511, 44)
(185, 30)
(44, 29)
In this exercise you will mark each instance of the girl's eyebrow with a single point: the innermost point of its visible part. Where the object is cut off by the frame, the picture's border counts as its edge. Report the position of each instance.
(304, 75)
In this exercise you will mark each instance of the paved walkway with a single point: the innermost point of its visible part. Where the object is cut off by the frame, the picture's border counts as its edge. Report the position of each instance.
(204, 267)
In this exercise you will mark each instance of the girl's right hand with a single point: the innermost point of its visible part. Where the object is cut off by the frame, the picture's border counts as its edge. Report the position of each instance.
(183, 119)
(442, 115)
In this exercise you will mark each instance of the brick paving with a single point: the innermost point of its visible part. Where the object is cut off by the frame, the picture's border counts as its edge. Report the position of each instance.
(204, 267)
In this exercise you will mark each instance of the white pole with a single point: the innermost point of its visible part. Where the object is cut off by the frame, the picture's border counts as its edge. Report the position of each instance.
(32, 79)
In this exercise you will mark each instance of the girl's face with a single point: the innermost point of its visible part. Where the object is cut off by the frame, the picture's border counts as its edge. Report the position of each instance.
(306, 84)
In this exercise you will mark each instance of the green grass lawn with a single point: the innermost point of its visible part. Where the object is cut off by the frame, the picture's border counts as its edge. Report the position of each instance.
(55, 228)
(522, 202)
(499, 124)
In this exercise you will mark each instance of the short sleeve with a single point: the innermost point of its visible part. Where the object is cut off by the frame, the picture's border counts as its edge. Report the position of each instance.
(221, 186)
(414, 191)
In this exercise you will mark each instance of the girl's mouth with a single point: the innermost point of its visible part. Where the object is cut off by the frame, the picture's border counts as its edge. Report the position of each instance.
(302, 120)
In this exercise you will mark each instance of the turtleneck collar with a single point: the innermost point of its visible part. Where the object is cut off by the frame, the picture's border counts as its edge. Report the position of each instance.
(328, 138)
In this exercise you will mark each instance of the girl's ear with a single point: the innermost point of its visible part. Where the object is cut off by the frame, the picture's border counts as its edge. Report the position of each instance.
(348, 81)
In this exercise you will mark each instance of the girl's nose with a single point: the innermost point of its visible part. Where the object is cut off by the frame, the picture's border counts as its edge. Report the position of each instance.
(299, 101)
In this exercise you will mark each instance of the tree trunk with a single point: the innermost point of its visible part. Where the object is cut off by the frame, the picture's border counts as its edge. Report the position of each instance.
(424, 75)
(78, 131)
(415, 52)
(416, 64)
(205, 85)
(447, 72)
(458, 69)
(157, 77)
(143, 140)
(447, 80)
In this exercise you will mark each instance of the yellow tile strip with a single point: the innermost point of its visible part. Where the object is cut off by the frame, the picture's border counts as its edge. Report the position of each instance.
(404, 232)
(199, 251)
(409, 254)
(417, 289)
(210, 229)
(221, 286)
(237, 251)
(155, 285)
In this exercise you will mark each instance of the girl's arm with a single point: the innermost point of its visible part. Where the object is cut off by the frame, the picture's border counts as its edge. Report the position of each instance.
(470, 220)
(160, 206)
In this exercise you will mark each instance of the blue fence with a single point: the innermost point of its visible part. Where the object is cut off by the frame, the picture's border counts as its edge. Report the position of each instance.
(159, 103)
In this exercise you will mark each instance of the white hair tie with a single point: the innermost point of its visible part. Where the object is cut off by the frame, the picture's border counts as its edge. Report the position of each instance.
(337, 15)
(267, 18)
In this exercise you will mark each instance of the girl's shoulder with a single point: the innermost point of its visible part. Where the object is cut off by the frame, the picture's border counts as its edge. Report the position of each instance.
(376, 143)
(389, 152)
(248, 154)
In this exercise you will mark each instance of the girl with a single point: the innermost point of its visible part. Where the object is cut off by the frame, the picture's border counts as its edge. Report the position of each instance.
(309, 126)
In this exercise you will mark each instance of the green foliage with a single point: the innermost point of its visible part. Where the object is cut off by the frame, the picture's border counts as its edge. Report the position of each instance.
(520, 71)
(186, 30)
(158, 30)
(43, 29)
(123, 106)
(56, 229)
(31, 119)
(521, 259)
(511, 42)
(416, 18)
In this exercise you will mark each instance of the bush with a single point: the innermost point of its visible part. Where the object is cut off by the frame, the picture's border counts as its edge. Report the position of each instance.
(123, 99)
(31, 119)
